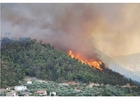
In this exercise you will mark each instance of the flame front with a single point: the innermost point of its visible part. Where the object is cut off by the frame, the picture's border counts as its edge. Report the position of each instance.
(90, 62)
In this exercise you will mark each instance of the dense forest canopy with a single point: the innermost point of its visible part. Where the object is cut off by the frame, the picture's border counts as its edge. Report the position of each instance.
(27, 57)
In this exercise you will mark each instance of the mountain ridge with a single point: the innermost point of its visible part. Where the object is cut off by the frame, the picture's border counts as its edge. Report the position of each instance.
(27, 56)
(131, 63)
(116, 66)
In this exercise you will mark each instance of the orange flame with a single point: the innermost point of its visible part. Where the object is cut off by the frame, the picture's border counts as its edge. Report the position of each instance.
(90, 62)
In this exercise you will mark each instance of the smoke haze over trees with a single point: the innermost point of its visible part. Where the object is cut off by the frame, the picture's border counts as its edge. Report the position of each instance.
(113, 28)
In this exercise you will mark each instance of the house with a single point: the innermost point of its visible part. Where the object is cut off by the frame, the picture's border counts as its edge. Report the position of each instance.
(20, 88)
(41, 92)
(77, 90)
(11, 94)
(63, 84)
(29, 82)
(52, 93)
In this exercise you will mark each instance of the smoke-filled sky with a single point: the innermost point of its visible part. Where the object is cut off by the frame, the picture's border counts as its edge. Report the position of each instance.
(112, 28)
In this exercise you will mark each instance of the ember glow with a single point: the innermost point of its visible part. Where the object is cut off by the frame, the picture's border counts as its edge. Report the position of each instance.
(91, 62)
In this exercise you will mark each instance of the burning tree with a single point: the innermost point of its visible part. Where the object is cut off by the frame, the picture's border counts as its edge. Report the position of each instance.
(91, 62)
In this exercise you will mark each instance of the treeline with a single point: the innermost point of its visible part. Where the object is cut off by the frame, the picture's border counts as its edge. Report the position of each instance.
(27, 57)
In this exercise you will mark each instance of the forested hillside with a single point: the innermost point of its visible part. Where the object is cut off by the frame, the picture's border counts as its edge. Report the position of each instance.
(27, 57)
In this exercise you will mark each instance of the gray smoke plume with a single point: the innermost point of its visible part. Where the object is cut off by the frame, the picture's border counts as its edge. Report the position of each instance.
(112, 28)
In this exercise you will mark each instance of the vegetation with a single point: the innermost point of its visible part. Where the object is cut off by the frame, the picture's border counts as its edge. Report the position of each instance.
(84, 90)
(27, 57)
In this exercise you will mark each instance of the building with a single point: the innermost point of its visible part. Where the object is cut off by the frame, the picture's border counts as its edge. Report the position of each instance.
(52, 93)
(63, 84)
(41, 92)
(29, 82)
(20, 88)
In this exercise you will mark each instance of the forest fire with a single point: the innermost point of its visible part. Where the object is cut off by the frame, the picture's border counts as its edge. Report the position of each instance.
(91, 62)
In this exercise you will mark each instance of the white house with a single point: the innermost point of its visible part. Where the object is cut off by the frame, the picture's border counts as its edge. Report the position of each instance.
(20, 88)
(52, 93)
(29, 82)
(63, 84)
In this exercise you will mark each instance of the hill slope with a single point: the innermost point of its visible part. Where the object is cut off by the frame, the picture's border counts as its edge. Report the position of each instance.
(127, 65)
(27, 57)
(130, 62)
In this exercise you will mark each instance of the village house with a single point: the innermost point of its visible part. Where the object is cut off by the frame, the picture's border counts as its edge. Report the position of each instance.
(63, 84)
(20, 88)
(41, 92)
(29, 82)
(52, 93)
(77, 90)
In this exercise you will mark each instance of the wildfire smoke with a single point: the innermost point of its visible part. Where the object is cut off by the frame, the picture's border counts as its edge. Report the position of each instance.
(111, 28)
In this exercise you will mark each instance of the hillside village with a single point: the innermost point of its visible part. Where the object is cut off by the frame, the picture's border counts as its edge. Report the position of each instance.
(25, 88)
(32, 86)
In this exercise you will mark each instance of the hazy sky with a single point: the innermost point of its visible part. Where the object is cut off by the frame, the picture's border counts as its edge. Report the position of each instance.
(113, 28)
